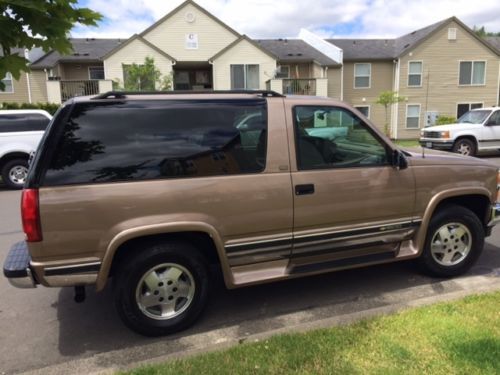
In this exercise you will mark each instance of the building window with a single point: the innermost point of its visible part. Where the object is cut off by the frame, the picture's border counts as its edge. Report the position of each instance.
(472, 72)
(362, 73)
(415, 73)
(364, 109)
(463, 108)
(9, 86)
(245, 77)
(413, 116)
(96, 72)
(283, 71)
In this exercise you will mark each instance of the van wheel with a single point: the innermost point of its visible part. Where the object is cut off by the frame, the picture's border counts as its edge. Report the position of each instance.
(14, 173)
(455, 239)
(162, 289)
(464, 147)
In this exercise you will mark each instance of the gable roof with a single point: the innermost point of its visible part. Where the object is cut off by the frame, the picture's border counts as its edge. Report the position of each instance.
(243, 37)
(141, 39)
(203, 10)
(386, 49)
(295, 51)
(84, 50)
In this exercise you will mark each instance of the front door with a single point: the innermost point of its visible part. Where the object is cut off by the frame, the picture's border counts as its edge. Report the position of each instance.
(491, 132)
(349, 201)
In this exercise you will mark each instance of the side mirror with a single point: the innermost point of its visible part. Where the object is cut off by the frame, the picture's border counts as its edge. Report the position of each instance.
(398, 160)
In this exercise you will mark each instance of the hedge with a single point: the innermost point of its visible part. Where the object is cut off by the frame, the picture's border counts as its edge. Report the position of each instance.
(49, 107)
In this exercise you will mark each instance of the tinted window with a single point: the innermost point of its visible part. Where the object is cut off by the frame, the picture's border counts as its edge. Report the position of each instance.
(138, 140)
(17, 122)
(330, 137)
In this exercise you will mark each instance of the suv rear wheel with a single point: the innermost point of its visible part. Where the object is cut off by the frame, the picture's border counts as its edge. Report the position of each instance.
(465, 146)
(163, 289)
(455, 239)
(14, 173)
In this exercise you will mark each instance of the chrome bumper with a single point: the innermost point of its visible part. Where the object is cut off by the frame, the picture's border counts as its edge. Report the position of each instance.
(495, 215)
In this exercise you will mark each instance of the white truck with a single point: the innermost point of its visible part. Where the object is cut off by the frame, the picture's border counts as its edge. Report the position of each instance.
(20, 133)
(476, 130)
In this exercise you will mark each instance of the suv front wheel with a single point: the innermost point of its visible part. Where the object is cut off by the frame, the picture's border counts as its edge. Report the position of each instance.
(455, 239)
(163, 289)
(14, 173)
(464, 146)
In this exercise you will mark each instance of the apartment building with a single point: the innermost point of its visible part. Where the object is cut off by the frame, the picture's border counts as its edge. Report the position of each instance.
(441, 69)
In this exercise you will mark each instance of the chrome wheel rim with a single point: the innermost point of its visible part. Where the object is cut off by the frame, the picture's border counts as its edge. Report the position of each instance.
(464, 149)
(451, 244)
(18, 174)
(165, 291)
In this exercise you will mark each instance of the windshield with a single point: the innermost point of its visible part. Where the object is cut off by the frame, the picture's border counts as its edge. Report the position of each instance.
(474, 117)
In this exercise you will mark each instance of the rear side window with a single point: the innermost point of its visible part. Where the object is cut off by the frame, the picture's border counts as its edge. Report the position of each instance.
(142, 140)
(17, 122)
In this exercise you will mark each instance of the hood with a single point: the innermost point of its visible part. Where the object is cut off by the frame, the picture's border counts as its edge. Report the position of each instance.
(420, 156)
(456, 126)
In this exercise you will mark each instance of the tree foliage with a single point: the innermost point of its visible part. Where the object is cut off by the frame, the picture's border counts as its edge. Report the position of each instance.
(481, 32)
(37, 23)
(388, 98)
(145, 77)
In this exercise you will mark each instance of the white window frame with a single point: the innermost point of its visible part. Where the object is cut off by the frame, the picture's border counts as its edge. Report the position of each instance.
(245, 68)
(93, 67)
(369, 77)
(364, 106)
(288, 75)
(419, 115)
(469, 104)
(8, 77)
(472, 73)
(421, 73)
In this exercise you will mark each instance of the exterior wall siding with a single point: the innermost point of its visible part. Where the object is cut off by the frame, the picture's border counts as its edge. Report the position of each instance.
(382, 73)
(38, 81)
(334, 76)
(77, 71)
(20, 94)
(242, 53)
(134, 52)
(170, 36)
(440, 90)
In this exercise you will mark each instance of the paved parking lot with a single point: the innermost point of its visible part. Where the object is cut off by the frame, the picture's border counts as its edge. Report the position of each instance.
(44, 329)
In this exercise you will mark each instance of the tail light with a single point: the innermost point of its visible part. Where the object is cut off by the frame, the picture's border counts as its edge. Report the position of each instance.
(30, 215)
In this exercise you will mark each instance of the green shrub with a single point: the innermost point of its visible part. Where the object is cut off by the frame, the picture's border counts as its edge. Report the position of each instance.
(443, 120)
(49, 107)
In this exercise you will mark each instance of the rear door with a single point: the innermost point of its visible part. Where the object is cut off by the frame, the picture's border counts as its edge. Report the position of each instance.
(349, 201)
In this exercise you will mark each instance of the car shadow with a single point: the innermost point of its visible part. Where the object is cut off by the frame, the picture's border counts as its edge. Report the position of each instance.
(94, 326)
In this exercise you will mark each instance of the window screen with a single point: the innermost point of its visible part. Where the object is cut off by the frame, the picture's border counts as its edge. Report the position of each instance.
(140, 140)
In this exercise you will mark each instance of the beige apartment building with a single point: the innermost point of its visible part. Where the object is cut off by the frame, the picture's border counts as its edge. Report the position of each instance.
(441, 70)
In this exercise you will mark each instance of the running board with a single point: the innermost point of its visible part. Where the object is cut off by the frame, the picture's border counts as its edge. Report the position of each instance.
(342, 263)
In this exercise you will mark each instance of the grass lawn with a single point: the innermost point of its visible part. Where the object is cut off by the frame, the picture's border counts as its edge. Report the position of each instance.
(407, 142)
(461, 337)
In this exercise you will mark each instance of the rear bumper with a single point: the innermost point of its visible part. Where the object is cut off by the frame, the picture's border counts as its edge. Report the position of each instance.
(16, 267)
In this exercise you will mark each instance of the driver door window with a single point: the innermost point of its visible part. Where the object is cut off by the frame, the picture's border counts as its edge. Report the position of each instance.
(332, 137)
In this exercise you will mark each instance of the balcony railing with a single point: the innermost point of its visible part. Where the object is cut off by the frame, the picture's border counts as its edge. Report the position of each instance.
(299, 86)
(70, 89)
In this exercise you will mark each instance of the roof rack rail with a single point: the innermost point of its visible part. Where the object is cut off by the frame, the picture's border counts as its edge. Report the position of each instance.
(124, 94)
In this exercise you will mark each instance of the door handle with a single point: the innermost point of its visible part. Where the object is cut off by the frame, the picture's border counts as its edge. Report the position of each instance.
(304, 189)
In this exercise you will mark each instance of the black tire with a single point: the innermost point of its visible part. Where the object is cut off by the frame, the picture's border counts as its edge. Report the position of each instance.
(132, 270)
(12, 172)
(465, 146)
(451, 218)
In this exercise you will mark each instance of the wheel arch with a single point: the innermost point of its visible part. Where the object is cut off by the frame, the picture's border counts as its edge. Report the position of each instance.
(11, 156)
(203, 236)
(477, 200)
(470, 137)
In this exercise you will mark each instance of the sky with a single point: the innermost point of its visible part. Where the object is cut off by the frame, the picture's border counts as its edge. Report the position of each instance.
(261, 19)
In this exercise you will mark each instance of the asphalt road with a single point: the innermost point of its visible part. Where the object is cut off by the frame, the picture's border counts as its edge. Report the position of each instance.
(43, 330)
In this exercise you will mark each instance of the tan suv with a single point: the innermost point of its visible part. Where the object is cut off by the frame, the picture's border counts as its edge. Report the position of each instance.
(151, 190)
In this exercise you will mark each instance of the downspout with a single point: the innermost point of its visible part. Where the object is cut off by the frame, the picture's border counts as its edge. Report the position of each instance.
(498, 87)
(26, 56)
(395, 111)
(342, 82)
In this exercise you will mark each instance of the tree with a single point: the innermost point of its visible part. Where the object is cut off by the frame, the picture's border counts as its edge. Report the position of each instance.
(37, 23)
(481, 32)
(145, 77)
(387, 98)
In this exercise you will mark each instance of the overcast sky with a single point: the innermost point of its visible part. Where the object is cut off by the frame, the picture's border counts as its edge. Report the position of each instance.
(284, 18)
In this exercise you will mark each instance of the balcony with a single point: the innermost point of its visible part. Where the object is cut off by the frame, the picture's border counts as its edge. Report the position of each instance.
(58, 91)
(299, 86)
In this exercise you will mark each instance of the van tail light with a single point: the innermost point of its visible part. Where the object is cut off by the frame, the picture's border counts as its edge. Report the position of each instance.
(30, 215)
